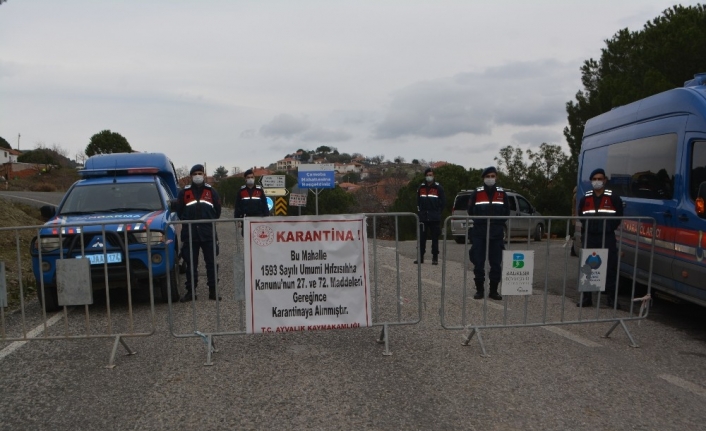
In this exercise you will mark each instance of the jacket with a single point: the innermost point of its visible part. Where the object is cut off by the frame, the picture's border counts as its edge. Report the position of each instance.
(431, 201)
(198, 203)
(251, 202)
(605, 205)
(488, 201)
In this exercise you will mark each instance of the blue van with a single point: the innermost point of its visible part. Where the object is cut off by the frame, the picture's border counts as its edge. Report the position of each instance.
(104, 217)
(654, 153)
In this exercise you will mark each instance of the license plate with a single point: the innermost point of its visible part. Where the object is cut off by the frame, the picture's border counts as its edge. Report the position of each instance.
(97, 259)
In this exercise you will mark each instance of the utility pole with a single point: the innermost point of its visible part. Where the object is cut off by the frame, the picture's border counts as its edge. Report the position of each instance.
(18, 142)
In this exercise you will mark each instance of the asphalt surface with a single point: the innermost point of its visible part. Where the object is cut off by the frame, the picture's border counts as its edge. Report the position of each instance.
(548, 378)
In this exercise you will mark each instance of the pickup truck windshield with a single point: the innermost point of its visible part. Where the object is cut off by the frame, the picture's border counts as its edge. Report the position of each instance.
(112, 197)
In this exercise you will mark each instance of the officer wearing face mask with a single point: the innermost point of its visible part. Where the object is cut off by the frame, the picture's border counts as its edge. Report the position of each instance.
(488, 200)
(198, 201)
(600, 232)
(251, 200)
(431, 201)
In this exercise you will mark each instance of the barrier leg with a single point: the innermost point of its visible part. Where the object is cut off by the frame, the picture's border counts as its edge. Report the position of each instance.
(475, 331)
(384, 338)
(621, 322)
(210, 346)
(118, 340)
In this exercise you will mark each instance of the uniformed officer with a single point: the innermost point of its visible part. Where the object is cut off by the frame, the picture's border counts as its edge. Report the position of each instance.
(600, 233)
(488, 200)
(431, 201)
(198, 201)
(250, 200)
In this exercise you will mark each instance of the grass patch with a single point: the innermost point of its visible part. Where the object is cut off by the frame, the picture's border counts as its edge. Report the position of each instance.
(14, 215)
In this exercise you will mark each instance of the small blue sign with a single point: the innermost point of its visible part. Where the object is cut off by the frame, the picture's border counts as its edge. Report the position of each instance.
(270, 203)
(316, 180)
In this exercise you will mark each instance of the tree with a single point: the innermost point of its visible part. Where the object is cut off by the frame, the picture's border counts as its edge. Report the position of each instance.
(415, 161)
(220, 173)
(399, 159)
(663, 55)
(4, 143)
(107, 142)
(323, 150)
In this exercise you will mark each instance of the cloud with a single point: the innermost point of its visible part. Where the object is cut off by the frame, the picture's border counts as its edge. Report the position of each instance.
(320, 134)
(288, 126)
(537, 137)
(516, 94)
(284, 125)
(247, 134)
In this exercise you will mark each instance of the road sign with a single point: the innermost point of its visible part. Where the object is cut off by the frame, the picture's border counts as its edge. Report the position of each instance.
(281, 206)
(297, 200)
(316, 176)
(273, 181)
(276, 192)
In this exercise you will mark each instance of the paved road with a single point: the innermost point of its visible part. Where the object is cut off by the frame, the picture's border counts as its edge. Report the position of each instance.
(36, 199)
(560, 378)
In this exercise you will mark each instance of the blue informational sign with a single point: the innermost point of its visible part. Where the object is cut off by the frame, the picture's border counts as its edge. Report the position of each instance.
(270, 203)
(316, 177)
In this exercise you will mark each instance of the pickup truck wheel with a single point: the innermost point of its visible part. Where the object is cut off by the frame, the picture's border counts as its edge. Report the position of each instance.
(50, 296)
(174, 281)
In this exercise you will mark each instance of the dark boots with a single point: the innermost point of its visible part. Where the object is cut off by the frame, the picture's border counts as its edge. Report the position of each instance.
(421, 260)
(493, 294)
(435, 259)
(587, 300)
(188, 296)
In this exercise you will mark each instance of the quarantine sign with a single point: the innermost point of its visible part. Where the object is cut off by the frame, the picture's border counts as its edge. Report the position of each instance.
(518, 267)
(593, 269)
(306, 273)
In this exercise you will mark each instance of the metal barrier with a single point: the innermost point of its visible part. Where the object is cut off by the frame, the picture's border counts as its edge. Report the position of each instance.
(556, 277)
(393, 302)
(70, 263)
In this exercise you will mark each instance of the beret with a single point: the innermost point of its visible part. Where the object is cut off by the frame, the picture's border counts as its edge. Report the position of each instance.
(597, 171)
(427, 170)
(196, 168)
(489, 170)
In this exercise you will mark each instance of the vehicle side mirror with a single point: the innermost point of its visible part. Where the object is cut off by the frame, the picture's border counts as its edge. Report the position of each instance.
(701, 200)
(47, 211)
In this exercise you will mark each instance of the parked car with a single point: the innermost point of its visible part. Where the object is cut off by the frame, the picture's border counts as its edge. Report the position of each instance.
(519, 206)
(126, 193)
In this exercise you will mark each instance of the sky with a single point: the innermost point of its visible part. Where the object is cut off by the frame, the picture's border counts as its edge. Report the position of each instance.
(240, 84)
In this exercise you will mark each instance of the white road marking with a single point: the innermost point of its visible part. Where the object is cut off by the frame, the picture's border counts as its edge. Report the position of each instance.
(31, 334)
(684, 384)
(573, 337)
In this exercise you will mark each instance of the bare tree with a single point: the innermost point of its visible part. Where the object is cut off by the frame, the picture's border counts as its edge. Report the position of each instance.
(182, 172)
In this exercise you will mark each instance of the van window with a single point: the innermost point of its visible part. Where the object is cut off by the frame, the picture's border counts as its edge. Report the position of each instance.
(513, 205)
(525, 206)
(698, 167)
(643, 168)
(461, 203)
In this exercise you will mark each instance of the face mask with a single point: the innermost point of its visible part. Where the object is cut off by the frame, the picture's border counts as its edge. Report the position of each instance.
(429, 178)
(597, 185)
(197, 179)
(250, 181)
(489, 181)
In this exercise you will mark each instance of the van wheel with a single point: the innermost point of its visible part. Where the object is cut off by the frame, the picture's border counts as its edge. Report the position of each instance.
(50, 296)
(538, 232)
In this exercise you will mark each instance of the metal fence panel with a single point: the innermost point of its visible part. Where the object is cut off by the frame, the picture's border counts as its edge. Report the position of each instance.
(95, 298)
(394, 301)
(556, 278)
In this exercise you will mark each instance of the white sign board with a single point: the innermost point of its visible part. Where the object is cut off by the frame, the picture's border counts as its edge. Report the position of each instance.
(306, 273)
(518, 268)
(297, 200)
(273, 181)
(593, 270)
